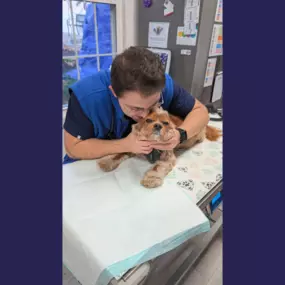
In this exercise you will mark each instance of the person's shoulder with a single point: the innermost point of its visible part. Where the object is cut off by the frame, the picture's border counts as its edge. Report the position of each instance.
(167, 92)
(167, 77)
(168, 82)
(93, 93)
(96, 85)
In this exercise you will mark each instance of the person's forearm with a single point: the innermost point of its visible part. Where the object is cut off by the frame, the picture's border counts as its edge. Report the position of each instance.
(195, 121)
(96, 148)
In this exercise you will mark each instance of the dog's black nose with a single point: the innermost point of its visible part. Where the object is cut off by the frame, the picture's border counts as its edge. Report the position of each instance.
(157, 127)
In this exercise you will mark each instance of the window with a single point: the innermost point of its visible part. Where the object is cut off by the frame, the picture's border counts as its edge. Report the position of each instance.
(91, 37)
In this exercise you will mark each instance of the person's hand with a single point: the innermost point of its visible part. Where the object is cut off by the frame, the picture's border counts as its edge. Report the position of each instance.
(133, 145)
(167, 145)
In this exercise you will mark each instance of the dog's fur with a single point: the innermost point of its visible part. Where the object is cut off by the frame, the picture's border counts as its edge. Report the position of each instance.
(146, 129)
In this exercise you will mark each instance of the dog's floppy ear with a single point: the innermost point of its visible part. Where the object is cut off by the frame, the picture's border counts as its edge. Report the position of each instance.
(156, 109)
(136, 128)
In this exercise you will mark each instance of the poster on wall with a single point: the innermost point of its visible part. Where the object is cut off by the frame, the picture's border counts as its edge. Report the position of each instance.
(219, 12)
(216, 46)
(158, 34)
(168, 8)
(186, 40)
(191, 16)
(210, 71)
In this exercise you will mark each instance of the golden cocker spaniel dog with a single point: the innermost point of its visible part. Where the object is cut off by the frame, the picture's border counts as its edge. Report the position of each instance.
(158, 126)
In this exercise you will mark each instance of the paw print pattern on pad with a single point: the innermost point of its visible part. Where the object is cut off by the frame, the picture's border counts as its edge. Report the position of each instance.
(208, 185)
(219, 177)
(186, 184)
(183, 169)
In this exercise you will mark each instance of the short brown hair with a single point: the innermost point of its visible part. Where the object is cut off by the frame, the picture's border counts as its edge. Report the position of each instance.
(137, 69)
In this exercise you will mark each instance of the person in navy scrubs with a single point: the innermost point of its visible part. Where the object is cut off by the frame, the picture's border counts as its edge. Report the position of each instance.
(102, 107)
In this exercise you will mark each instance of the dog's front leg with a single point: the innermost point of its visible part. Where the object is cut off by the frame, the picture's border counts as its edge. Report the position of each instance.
(155, 176)
(111, 162)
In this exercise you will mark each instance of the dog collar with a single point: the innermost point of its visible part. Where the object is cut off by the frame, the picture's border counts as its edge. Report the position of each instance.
(154, 155)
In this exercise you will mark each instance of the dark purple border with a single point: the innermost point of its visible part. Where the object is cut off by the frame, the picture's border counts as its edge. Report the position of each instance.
(31, 115)
(254, 167)
(31, 143)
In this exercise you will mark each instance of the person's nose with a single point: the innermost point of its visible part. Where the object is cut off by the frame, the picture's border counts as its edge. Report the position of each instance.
(144, 113)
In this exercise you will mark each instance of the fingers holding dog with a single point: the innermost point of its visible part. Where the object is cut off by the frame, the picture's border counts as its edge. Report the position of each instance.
(169, 144)
(137, 146)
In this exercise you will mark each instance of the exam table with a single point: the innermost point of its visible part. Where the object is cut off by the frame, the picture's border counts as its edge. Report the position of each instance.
(172, 267)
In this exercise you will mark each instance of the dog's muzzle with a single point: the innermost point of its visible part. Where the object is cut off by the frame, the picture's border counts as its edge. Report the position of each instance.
(157, 128)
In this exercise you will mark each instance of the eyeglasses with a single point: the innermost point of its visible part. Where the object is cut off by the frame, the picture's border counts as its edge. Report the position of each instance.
(140, 110)
(161, 100)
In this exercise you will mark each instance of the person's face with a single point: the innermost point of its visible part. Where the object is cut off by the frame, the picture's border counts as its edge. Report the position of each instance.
(137, 107)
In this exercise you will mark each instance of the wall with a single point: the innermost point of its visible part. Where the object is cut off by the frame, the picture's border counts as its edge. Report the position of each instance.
(130, 8)
(182, 67)
(206, 27)
(187, 71)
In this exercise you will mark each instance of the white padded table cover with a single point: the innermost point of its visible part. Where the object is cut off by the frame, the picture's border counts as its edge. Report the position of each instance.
(111, 223)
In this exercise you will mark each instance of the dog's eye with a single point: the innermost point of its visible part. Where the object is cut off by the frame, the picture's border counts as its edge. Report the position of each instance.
(165, 123)
(149, 120)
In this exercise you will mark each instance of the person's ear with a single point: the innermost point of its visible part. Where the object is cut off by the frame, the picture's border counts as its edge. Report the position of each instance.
(112, 90)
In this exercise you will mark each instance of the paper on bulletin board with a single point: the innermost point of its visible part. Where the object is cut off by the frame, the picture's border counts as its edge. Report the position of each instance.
(185, 52)
(186, 40)
(218, 88)
(216, 46)
(210, 70)
(168, 8)
(219, 12)
(158, 34)
(191, 16)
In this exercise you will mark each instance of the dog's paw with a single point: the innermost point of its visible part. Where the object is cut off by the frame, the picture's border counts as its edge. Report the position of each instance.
(151, 181)
(107, 165)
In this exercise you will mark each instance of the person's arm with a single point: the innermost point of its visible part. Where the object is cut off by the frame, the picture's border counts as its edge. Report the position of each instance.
(92, 148)
(79, 138)
(196, 120)
(194, 113)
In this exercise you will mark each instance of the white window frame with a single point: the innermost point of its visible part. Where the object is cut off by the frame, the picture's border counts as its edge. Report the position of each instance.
(119, 33)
